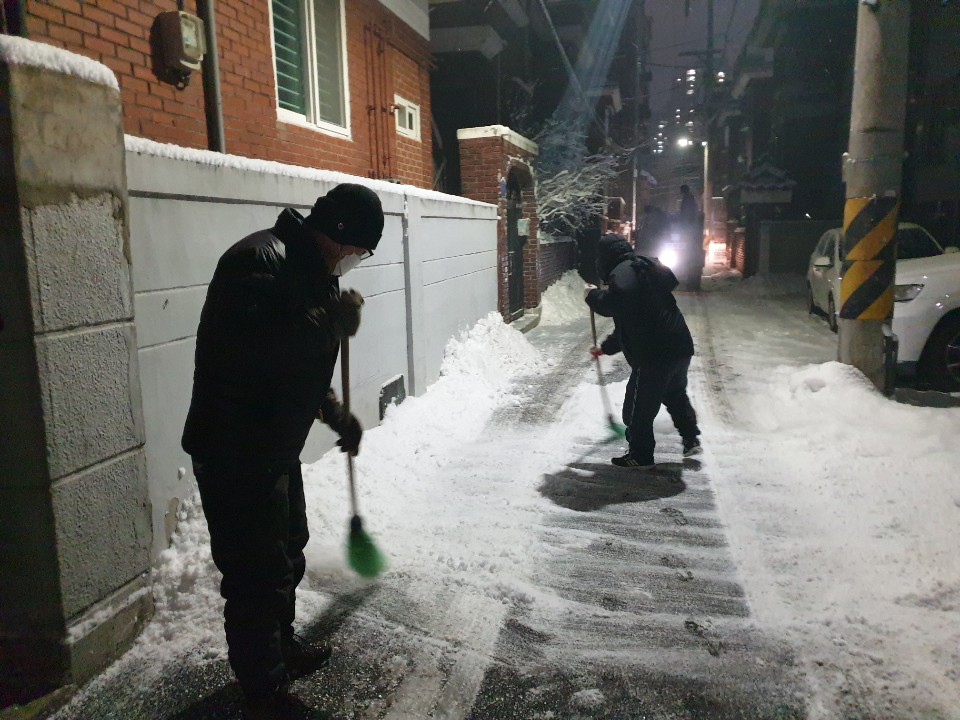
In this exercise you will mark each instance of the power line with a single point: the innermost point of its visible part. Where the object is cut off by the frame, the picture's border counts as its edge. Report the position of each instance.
(726, 34)
(574, 80)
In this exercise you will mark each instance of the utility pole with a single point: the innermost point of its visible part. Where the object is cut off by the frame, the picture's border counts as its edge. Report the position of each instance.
(707, 110)
(872, 170)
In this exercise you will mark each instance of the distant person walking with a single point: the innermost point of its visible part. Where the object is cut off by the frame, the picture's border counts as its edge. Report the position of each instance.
(691, 229)
(688, 206)
(652, 334)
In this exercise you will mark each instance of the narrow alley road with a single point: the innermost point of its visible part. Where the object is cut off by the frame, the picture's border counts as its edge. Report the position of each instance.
(531, 579)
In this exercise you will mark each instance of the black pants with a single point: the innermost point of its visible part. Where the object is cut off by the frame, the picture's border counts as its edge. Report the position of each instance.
(649, 387)
(258, 528)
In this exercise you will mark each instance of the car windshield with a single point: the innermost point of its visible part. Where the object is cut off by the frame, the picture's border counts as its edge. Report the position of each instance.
(915, 243)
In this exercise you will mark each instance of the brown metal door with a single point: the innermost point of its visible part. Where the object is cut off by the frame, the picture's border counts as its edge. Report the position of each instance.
(379, 108)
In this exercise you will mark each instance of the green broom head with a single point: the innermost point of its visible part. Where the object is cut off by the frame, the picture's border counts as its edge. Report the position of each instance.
(362, 554)
(617, 430)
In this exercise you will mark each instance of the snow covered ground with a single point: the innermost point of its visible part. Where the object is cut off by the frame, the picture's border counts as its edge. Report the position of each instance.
(841, 507)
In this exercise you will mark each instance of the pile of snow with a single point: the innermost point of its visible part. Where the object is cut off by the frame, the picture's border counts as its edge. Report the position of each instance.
(563, 302)
(412, 466)
(491, 351)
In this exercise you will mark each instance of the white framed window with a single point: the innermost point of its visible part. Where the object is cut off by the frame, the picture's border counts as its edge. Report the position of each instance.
(310, 63)
(407, 115)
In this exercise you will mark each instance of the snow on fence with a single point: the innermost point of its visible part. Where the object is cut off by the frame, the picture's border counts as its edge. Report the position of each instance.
(433, 275)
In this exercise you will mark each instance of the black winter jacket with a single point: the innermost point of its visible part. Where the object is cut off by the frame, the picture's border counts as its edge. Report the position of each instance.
(648, 325)
(267, 345)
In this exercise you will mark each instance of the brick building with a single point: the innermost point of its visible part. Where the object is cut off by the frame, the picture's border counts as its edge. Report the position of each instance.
(335, 84)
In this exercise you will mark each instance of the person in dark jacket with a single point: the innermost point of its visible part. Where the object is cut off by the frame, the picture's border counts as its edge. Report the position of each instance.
(268, 340)
(688, 206)
(650, 331)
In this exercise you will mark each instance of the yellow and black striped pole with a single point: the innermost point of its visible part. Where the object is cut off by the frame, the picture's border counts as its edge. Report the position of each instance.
(872, 172)
(869, 263)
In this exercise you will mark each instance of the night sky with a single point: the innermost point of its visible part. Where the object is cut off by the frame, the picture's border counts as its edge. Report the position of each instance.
(674, 33)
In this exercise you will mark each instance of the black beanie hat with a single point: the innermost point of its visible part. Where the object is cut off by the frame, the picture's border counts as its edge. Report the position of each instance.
(611, 251)
(350, 214)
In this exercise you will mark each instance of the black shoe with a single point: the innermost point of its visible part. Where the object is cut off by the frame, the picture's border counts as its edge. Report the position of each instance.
(303, 658)
(691, 447)
(628, 461)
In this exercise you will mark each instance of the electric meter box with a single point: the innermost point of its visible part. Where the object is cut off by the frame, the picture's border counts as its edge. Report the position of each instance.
(182, 40)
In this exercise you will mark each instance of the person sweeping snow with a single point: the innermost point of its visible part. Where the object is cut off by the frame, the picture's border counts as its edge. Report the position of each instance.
(652, 334)
(270, 331)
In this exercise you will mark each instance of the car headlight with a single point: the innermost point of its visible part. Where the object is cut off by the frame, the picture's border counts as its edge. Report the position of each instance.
(906, 293)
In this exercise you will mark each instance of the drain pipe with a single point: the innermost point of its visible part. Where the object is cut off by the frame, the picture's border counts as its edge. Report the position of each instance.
(211, 78)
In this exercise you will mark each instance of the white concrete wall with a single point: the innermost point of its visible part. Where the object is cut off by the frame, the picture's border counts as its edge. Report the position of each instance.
(433, 275)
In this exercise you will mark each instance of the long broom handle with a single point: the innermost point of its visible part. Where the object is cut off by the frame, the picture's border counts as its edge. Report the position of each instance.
(603, 390)
(345, 386)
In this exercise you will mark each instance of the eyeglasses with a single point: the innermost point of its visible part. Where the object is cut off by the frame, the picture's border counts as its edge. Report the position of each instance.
(357, 251)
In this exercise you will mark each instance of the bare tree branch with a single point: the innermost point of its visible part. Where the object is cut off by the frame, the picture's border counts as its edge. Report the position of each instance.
(570, 182)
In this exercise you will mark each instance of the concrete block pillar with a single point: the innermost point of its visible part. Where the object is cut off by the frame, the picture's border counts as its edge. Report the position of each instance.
(75, 527)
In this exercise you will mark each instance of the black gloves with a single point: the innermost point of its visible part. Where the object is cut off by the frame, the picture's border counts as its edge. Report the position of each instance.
(348, 312)
(342, 422)
(350, 434)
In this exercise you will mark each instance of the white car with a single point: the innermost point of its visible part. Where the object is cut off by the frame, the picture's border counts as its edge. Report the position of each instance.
(926, 314)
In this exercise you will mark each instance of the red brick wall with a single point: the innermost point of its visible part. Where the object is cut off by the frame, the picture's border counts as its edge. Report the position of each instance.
(556, 259)
(531, 251)
(484, 162)
(117, 33)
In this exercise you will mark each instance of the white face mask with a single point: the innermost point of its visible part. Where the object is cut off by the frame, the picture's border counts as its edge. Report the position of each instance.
(346, 264)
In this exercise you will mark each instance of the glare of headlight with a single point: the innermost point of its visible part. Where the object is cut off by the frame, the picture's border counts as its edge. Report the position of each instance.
(683, 142)
(668, 256)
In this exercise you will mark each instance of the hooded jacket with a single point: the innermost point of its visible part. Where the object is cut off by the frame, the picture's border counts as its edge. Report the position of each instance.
(267, 344)
(648, 325)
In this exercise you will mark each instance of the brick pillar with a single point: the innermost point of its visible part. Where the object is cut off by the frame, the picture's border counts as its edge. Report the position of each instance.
(75, 527)
(488, 155)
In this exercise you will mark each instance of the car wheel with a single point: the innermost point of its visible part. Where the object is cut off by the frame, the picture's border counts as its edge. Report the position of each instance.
(811, 306)
(832, 314)
(940, 363)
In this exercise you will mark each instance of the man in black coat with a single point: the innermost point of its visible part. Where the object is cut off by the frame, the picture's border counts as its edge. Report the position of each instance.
(650, 331)
(267, 344)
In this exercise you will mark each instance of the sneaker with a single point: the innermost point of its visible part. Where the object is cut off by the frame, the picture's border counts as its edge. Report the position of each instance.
(627, 461)
(691, 447)
(303, 658)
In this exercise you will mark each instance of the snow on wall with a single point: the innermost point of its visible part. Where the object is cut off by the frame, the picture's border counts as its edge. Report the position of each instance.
(20, 51)
(433, 276)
